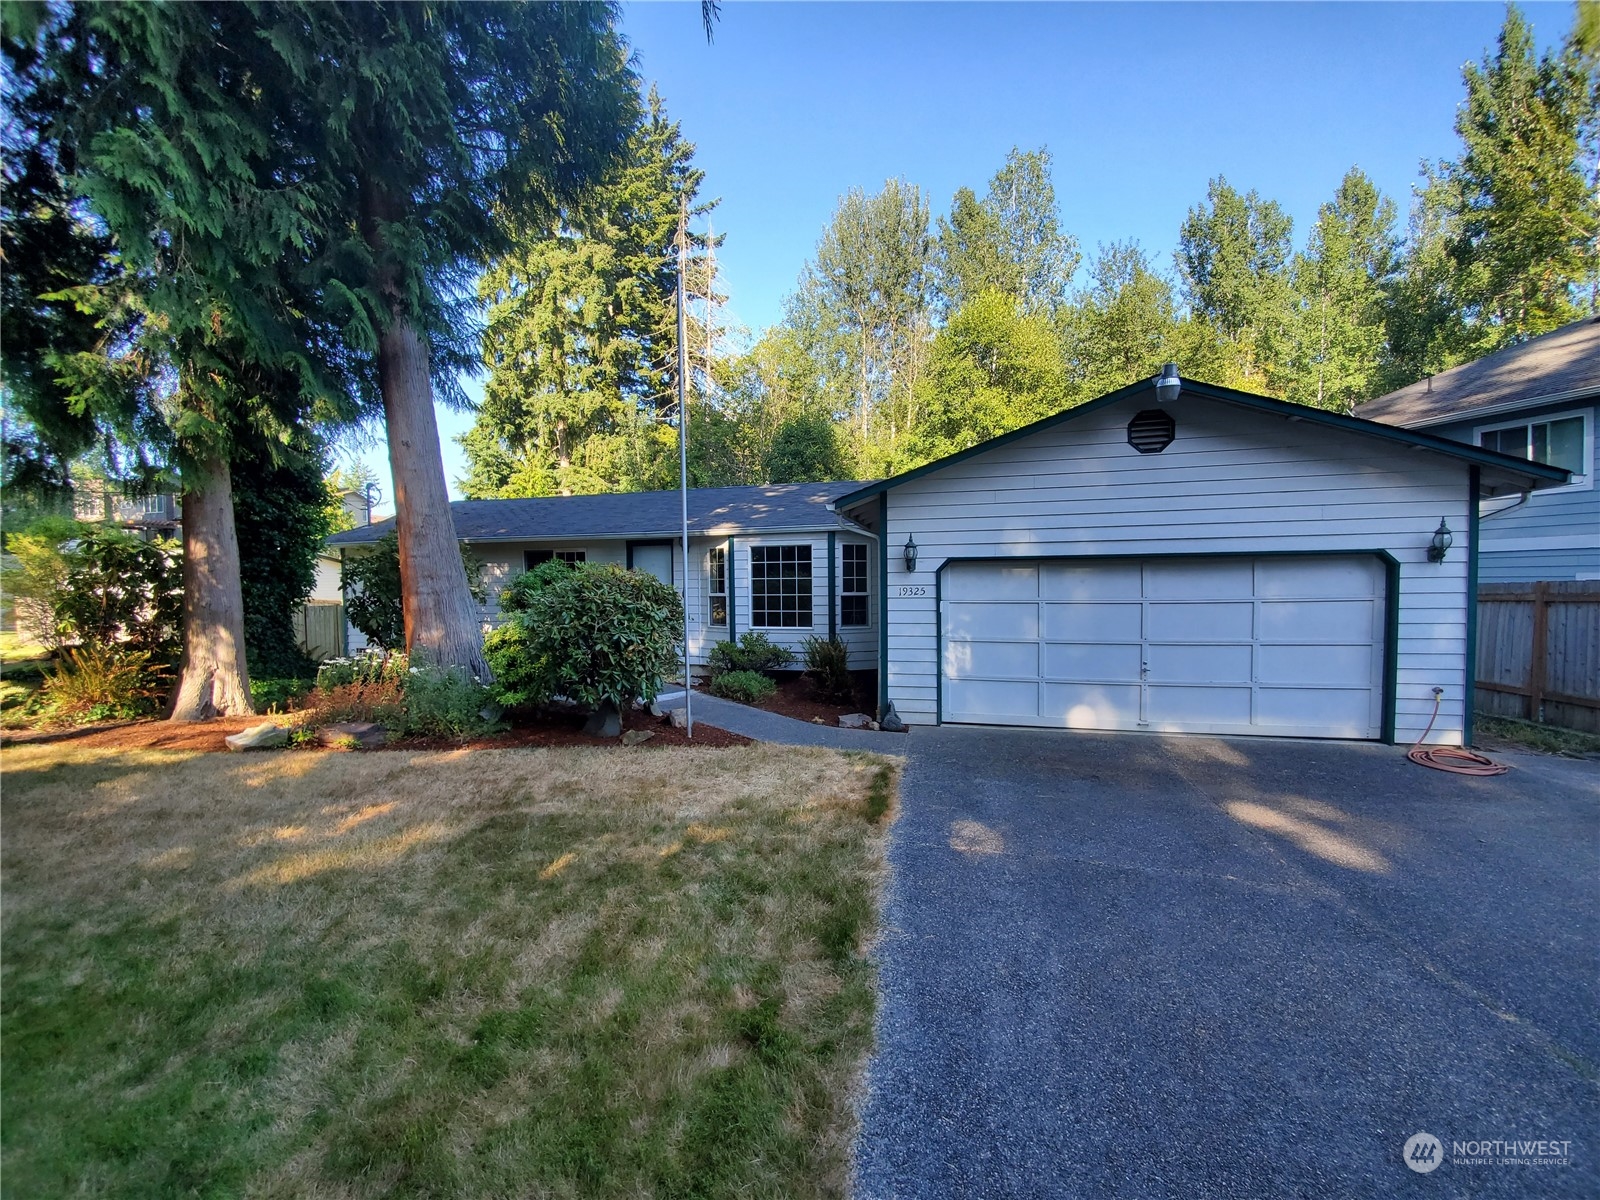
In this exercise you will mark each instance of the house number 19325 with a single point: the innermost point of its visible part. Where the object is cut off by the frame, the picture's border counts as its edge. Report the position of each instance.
(913, 590)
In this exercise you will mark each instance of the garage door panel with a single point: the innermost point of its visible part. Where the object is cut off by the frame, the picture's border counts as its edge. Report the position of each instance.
(1325, 621)
(1286, 645)
(971, 619)
(1319, 578)
(1313, 666)
(1091, 705)
(986, 582)
(1093, 661)
(989, 699)
(1195, 622)
(1199, 664)
(1105, 581)
(1173, 708)
(1339, 712)
(1111, 622)
(1182, 579)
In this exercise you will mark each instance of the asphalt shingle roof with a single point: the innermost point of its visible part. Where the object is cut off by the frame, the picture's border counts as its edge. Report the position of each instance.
(770, 508)
(1564, 362)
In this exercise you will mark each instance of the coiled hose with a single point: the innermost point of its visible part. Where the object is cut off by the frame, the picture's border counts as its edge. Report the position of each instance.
(1456, 760)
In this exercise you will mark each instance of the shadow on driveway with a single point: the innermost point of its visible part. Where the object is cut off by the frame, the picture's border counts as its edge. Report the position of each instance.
(1180, 966)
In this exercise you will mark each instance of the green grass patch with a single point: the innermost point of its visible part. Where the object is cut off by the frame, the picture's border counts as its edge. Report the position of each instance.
(563, 973)
(1550, 739)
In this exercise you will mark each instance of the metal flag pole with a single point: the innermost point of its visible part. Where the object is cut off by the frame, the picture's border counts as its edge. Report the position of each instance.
(683, 456)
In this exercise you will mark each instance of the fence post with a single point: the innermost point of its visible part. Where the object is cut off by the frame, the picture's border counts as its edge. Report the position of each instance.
(1539, 661)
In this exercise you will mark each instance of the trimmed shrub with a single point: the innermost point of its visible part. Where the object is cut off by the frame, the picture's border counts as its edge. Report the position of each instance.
(753, 652)
(593, 634)
(446, 702)
(521, 590)
(828, 664)
(744, 686)
(522, 675)
(99, 683)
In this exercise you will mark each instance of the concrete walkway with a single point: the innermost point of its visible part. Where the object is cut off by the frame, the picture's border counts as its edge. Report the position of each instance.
(785, 731)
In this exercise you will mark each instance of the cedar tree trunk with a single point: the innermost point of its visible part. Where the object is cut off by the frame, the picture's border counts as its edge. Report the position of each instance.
(214, 680)
(442, 620)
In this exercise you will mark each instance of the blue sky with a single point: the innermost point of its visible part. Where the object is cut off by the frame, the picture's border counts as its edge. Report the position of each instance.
(1141, 104)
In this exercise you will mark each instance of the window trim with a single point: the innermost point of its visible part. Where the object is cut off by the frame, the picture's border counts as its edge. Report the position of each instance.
(810, 592)
(1581, 481)
(568, 556)
(711, 593)
(865, 590)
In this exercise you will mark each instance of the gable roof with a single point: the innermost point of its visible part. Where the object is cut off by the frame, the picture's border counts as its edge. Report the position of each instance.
(769, 508)
(1499, 470)
(1563, 364)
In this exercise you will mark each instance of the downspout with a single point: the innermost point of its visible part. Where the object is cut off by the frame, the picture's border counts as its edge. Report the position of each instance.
(833, 593)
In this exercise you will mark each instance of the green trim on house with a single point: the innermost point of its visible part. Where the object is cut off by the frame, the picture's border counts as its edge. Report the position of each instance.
(883, 608)
(1263, 404)
(1391, 647)
(1469, 698)
(733, 596)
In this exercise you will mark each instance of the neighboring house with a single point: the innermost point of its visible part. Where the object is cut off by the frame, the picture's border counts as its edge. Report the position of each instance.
(1218, 563)
(1537, 401)
(151, 517)
(775, 559)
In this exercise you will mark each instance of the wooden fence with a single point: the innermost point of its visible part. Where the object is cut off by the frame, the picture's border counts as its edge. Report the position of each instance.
(1539, 652)
(319, 629)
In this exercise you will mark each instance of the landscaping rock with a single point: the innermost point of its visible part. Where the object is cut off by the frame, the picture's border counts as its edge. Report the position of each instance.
(265, 736)
(364, 735)
(679, 721)
(655, 710)
(818, 721)
(854, 721)
(605, 722)
(872, 725)
(891, 722)
(634, 736)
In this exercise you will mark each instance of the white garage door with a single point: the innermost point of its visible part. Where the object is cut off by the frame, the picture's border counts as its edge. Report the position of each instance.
(1289, 645)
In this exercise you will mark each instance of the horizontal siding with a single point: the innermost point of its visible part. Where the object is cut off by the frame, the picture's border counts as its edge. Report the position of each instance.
(1232, 482)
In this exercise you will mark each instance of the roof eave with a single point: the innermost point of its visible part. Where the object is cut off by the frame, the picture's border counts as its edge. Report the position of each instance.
(1494, 410)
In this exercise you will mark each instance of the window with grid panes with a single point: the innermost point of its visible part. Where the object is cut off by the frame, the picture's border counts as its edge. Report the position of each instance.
(532, 558)
(717, 585)
(853, 585)
(780, 587)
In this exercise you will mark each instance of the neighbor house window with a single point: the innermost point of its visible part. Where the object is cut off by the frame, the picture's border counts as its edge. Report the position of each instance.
(853, 586)
(780, 587)
(717, 585)
(532, 558)
(1557, 442)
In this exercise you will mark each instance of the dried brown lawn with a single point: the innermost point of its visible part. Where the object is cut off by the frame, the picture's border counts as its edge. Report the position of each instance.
(519, 972)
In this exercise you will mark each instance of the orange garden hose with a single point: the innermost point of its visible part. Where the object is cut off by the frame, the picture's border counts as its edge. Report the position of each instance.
(1456, 760)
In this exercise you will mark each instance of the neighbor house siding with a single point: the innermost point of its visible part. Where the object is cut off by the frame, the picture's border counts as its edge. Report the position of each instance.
(1232, 482)
(1555, 533)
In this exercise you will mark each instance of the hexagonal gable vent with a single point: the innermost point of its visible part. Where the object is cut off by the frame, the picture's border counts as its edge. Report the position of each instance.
(1151, 431)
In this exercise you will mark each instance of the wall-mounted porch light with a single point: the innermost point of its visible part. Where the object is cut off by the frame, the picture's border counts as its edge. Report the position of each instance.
(911, 553)
(1440, 545)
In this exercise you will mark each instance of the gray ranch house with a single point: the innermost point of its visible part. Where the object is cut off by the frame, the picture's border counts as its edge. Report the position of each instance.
(1172, 557)
(777, 558)
(1185, 558)
(1537, 401)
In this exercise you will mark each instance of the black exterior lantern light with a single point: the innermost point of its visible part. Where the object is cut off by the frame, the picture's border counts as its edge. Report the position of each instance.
(1440, 545)
(911, 553)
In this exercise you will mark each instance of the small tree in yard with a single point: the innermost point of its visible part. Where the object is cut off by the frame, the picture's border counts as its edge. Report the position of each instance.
(597, 635)
(374, 593)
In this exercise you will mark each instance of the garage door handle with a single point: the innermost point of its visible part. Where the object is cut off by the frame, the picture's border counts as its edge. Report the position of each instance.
(1144, 670)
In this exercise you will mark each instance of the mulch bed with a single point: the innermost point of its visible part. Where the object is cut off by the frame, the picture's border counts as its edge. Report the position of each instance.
(797, 697)
(550, 729)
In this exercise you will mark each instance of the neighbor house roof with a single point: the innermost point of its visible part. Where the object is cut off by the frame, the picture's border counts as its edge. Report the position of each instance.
(1500, 472)
(1563, 364)
(769, 508)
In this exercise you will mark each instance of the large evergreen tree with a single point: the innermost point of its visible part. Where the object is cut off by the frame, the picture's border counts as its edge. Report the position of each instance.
(582, 333)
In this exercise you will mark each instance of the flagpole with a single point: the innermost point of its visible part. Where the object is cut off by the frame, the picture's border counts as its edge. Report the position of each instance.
(683, 456)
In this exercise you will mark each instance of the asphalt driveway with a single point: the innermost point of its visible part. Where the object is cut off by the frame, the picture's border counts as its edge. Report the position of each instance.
(1133, 965)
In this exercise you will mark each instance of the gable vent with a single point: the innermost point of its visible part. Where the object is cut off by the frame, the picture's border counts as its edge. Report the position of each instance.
(1151, 431)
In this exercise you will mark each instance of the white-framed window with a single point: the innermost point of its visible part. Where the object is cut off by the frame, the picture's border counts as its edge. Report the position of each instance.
(1559, 440)
(853, 584)
(780, 587)
(717, 585)
(532, 558)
